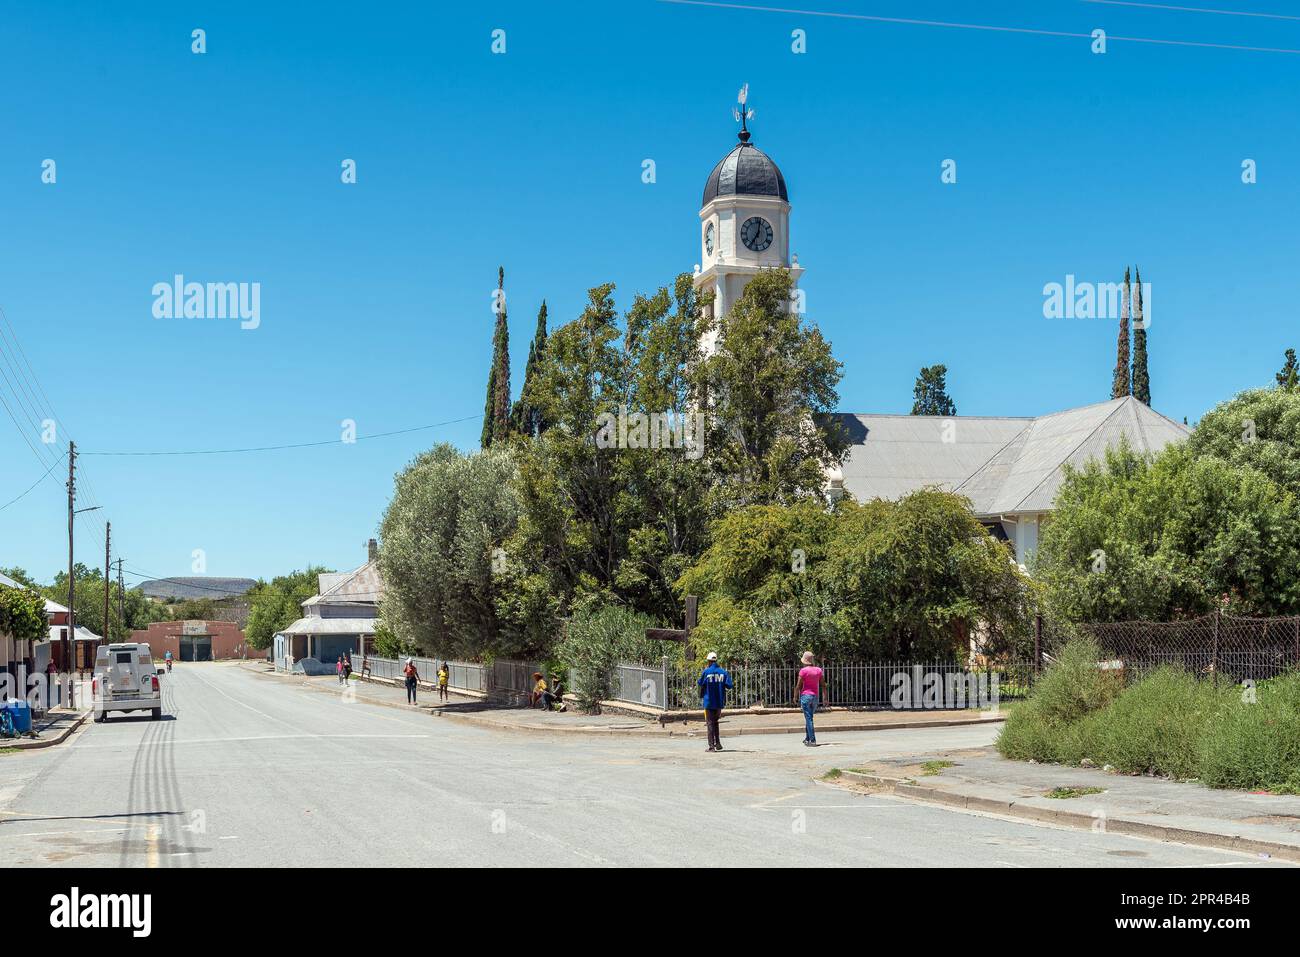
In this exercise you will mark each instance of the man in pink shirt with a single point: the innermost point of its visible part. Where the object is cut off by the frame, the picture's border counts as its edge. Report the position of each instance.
(808, 690)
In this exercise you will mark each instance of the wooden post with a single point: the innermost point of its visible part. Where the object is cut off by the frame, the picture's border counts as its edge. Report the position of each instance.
(1038, 643)
(692, 617)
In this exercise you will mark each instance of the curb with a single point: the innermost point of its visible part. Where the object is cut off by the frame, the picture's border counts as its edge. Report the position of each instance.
(1075, 819)
(30, 745)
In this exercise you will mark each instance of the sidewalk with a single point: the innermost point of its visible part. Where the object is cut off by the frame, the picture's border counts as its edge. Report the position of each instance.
(51, 728)
(634, 720)
(1264, 824)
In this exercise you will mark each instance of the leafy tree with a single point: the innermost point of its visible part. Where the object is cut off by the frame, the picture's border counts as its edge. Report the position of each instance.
(1141, 378)
(21, 576)
(930, 394)
(496, 411)
(1168, 537)
(1287, 379)
(1260, 429)
(526, 419)
(908, 579)
(769, 388)
(442, 573)
(1122, 382)
(22, 614)
(277, 604)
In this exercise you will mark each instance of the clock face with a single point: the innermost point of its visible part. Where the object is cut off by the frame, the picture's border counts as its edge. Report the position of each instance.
(756, 233)
(708, 239)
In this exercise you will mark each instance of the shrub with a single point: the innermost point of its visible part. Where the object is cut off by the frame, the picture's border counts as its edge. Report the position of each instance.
(1256, 745)
(1155, 726)
(1071, 689)
(595, 640)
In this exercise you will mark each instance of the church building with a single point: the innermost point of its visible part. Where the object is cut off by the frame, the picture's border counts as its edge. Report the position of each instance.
(1009, 467)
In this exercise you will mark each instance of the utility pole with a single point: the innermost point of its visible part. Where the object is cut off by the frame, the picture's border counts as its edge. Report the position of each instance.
(121, 595)
(108, 542)
(70, 633)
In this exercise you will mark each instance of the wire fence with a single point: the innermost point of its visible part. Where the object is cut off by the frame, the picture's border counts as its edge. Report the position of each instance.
(1215, 644)
(461, 675)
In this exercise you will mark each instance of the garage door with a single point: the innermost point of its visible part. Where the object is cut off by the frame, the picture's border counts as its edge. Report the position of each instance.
(196, 647)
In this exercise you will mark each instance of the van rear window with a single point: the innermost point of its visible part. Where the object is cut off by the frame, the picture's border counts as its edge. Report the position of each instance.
(124, 657)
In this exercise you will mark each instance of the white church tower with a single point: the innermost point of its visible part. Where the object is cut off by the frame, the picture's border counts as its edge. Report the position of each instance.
(744, 221)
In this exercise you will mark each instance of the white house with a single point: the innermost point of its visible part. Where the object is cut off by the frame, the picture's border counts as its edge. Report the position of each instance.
(340, 618)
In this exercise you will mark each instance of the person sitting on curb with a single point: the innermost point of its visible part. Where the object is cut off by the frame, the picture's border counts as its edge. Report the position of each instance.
(713, 684)
(535, 697)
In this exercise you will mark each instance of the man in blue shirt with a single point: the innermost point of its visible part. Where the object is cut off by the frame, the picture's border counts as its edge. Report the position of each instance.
(713, 684)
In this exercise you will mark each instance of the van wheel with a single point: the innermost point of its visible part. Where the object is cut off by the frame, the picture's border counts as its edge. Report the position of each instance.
(157, 713)
(99, 717)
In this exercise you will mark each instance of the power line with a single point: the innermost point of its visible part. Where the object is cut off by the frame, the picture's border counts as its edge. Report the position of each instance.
(34, 484)
(229, 592)
(1167, 6)
(909, 21)
(295, 445)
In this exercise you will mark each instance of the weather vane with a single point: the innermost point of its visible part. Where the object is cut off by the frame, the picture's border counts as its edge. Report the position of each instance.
(741, 113)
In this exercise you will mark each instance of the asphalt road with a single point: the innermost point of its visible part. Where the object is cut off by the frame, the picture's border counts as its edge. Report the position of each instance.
(251, 770)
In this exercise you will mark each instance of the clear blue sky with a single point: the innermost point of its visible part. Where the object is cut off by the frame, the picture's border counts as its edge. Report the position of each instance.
(376, 297)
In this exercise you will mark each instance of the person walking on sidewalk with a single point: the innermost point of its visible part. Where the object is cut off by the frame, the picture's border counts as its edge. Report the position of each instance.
(808, 690)
(444, 675)
(713, 684)
(412, 679)
(338, 669)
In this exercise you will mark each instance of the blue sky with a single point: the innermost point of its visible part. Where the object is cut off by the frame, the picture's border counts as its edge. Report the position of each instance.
(376, 296)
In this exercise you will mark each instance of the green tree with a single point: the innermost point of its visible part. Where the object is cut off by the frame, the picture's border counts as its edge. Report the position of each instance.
(277, 604)
(496, 411)
(526, 419)
(1168, 537)
(770, 386)
(449, 515)
(1122, 382)
(1287, 379)
(916, 578)
(1141, 378)
(22, 614)
(930, 394)
(1260, 429)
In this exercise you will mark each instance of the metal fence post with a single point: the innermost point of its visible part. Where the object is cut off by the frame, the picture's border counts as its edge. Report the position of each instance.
(1038, 643)
(1214, 661)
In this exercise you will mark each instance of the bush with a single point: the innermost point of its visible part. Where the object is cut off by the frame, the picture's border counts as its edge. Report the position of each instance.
(598, 638)
(1256, 745)
(1073, 688)
(1156, 726)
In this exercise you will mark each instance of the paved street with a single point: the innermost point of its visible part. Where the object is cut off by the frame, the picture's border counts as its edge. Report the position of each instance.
(248, 769)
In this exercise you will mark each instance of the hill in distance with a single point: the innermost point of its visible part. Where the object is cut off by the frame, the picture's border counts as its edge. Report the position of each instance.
(196, 586)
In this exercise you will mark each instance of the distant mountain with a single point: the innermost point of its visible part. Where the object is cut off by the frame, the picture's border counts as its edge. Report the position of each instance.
(196, 586)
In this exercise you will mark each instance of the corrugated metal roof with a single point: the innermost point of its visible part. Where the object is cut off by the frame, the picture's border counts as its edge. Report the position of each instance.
(331, 626)
(1005, 466)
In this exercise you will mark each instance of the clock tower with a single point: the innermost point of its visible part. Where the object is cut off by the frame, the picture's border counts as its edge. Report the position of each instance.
(744, 221)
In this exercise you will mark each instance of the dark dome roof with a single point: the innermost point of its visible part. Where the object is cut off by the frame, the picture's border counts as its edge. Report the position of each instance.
(745, 171)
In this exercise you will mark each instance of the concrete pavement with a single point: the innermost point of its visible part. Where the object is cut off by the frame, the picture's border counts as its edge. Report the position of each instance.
(248, 770)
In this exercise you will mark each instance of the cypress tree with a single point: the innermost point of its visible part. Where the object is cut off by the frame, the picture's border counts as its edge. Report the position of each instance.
(501, 374)
(1141, 380)
(1120, 385)
(496, 408)
(1289, 377)
(526, 418)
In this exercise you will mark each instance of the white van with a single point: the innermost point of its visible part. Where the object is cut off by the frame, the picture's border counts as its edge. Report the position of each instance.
(125, 680)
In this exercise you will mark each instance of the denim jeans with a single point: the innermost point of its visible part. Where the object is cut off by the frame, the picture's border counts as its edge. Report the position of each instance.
(808, 702)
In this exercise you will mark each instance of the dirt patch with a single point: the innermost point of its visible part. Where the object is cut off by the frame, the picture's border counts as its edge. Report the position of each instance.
(1284, 820)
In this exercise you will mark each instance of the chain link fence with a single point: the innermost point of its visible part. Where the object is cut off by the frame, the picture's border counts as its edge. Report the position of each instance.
(1214, 644)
